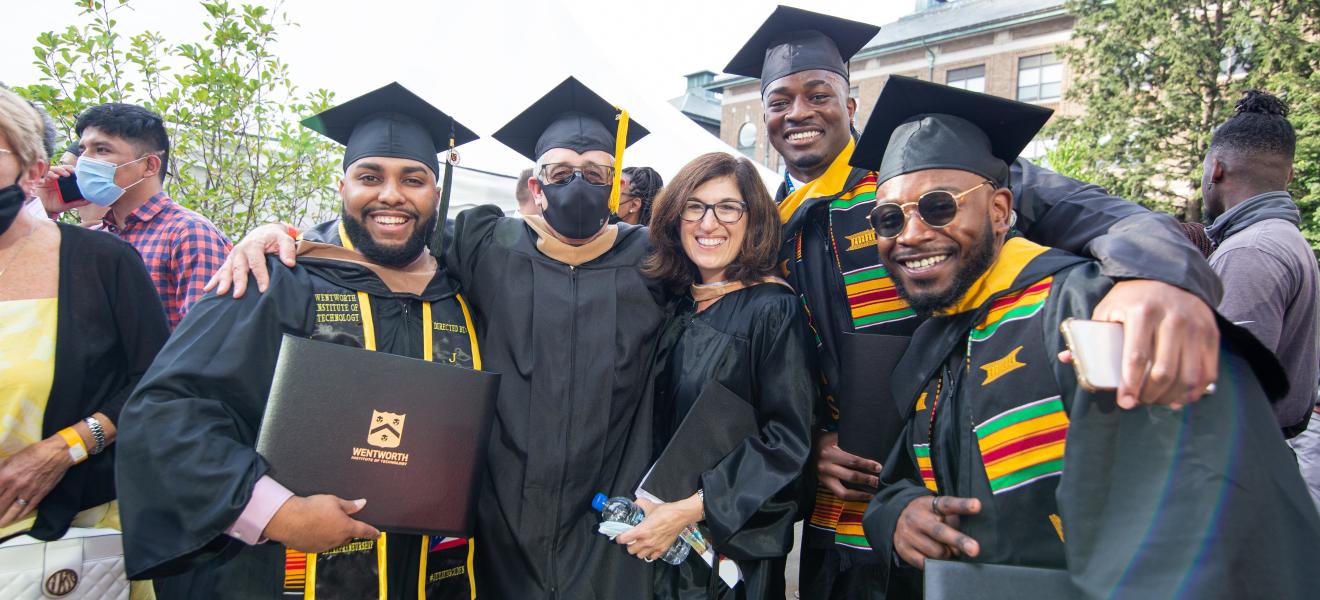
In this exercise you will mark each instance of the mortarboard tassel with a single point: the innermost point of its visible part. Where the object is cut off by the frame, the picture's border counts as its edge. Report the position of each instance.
(620, 142)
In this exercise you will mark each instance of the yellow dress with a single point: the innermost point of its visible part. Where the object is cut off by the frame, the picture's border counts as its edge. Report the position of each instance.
(27, 370)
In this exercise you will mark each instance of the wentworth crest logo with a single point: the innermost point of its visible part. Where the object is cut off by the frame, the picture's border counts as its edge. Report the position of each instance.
(386, 429)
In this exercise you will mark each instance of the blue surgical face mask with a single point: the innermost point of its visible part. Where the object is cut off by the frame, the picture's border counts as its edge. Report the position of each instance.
(96, 180)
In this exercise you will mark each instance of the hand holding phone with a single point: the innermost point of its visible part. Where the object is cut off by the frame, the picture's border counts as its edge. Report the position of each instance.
(1097, 352)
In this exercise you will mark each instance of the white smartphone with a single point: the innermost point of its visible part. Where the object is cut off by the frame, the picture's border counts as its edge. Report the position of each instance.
(1097, 352)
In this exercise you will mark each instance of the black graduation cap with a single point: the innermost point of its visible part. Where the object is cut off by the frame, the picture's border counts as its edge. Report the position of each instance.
(793, 40)
(918, 125)
(568, 116)
(390, 121)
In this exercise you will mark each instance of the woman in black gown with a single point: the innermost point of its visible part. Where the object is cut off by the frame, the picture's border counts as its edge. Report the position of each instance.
(715, 233)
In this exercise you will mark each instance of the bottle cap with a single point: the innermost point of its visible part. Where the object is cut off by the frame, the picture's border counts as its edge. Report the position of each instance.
(598, 502)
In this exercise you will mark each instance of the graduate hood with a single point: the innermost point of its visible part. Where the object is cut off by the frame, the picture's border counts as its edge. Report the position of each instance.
(322, 250)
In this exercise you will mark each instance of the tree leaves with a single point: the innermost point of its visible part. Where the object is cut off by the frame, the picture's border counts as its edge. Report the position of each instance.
(1156, 78)
(238, 156)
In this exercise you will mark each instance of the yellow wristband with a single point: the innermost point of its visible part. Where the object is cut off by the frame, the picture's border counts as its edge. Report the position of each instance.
(77, 449)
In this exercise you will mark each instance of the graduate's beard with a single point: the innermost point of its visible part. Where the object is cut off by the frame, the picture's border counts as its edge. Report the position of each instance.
(390, 256)
(976, 264)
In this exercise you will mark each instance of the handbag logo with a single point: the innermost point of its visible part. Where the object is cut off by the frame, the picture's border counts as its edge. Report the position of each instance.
(61, 583)
(386, 429)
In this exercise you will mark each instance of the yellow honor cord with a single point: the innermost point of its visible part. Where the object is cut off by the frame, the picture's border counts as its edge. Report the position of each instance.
(309, 584)
(369, 340)
(620, 142)
(381, 566)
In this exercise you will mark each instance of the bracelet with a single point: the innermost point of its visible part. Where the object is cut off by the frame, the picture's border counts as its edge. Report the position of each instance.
(702, 494)
(77, 450)
(98, 434)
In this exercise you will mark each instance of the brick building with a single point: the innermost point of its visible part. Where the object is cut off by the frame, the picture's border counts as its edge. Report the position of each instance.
(1002, 47)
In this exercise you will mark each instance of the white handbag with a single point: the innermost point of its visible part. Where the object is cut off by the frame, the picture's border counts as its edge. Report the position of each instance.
(84, 564)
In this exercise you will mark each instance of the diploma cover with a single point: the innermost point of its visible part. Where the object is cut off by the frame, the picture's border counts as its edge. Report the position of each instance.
(718, 421)
(869, 424)
(406, 434)
(950, 580)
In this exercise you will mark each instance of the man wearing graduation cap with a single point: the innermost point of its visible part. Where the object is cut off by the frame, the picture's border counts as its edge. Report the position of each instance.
(1006, 458)
(802, 58)
(569, 322)
(196, 501)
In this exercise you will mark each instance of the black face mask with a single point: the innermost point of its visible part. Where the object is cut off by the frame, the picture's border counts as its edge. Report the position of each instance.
(576, 209)
(11, 203)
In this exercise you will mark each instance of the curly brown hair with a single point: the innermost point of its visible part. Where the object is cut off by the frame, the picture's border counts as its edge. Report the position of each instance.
(760, 247)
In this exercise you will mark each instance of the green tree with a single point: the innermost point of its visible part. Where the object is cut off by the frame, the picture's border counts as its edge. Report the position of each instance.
(238, 156)
(1157, 76)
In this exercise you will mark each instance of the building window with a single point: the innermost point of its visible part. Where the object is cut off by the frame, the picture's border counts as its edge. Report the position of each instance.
(970, 78)
(747, 139)
(1040, 78)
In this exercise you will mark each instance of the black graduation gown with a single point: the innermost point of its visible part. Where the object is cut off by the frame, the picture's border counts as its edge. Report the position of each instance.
(755, 342)
(574, 347)
(826, 237)
(1205, 502)
(187, 461)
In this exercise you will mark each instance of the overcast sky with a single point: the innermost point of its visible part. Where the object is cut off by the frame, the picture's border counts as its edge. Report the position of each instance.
(483, 61)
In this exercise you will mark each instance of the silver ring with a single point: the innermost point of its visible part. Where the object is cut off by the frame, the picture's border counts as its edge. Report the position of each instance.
(20, 502)
(1210, 388)
(935, 505)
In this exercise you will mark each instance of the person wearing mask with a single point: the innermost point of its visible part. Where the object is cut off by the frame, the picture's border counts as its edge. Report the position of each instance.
(715, 235)
(79, 325)
(129, 151)
(1164, 294)
(569, 321)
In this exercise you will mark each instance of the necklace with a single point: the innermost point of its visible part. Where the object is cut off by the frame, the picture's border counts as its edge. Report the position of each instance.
(18, 248)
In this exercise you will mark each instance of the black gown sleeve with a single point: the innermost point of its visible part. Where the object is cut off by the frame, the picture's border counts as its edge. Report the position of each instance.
(1202, 502)
(900, 484)
(141, 324)
(472, 228)
(1130, 241)
(751, 499)
(186, 458)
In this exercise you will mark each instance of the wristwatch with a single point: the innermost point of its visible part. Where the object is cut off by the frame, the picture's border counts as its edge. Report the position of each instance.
(98, 434)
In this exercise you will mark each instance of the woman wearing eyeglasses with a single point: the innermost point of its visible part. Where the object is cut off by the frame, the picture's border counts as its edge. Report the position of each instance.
(715, 233)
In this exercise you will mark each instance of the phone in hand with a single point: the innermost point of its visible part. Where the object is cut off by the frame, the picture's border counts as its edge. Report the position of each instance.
(1097, 352)
(69, 192)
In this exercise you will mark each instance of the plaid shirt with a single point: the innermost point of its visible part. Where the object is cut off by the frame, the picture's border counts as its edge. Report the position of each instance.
(181, 249)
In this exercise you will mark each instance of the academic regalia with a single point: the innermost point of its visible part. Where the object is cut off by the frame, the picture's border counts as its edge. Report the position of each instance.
(1202, 502)
(188, 462)
(754, 342)
(1148, 502)
(187, 459)
(829, 249)
(572, 331)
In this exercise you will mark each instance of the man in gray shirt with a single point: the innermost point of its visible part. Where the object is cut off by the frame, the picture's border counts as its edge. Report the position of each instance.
(1270, 276)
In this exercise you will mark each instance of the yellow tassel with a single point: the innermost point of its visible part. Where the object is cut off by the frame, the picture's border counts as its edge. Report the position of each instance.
(620, 142)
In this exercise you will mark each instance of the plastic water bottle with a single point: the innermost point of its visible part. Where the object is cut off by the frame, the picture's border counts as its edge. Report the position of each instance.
(625, 514)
